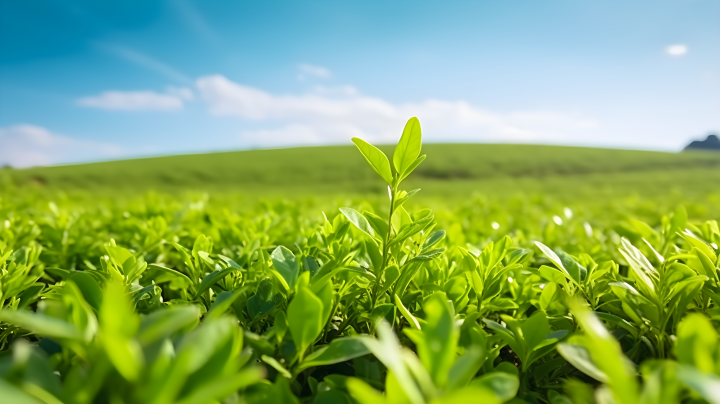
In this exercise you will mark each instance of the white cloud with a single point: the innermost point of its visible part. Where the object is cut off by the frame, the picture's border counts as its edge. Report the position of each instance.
(305, 70)
(328, 116)
(138, 100)
(337, 91)
(676, 50)
(183, 93)
(30, 145)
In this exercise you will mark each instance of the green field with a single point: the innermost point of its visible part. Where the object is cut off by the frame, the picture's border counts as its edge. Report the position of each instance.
(519, 274)
(454, 170)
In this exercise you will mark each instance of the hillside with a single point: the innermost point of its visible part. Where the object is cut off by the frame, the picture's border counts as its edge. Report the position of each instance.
(450, 169)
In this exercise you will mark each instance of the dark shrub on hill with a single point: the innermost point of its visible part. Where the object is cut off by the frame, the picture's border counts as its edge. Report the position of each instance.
(711, 143)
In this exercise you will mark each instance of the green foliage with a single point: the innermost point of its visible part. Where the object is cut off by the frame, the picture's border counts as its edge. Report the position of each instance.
(162, 300)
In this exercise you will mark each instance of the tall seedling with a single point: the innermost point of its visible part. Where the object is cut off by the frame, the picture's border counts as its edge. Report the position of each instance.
(405, 159)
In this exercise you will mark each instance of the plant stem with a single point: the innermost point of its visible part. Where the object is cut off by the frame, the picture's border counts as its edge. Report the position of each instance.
(386, 245)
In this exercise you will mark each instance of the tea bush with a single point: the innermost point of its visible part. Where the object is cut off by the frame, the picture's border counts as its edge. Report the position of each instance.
(159, 300)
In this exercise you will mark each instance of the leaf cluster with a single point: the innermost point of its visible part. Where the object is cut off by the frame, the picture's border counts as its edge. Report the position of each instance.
(387, 302)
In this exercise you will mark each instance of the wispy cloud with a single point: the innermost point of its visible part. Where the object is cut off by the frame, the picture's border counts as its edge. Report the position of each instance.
(195, 20)
(306, 70)
(138, 100)
(143, 60)
(329, 116)
(30, 145)
(676, 50)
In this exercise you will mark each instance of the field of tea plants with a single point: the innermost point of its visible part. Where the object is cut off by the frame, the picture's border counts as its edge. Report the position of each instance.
(555, 294)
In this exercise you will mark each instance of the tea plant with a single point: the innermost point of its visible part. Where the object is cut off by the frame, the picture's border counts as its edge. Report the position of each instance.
(167, 301)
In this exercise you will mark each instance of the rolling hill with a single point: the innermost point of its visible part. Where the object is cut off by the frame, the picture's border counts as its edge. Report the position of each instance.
(450, 170)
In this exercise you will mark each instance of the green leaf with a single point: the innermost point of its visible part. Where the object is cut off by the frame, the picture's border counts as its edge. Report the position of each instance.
(220, 388)
(280, 325)
(332, 397)
(376, 158)
(391, 273)
(404, 196)
(360, 221)
(201, 248)
(428, 255)
(707, 385)
(276, 365)
(230, 262)
(507, 335)
(406, 313)
(40, 324)
(363, 393)
(685, 292)
(378, 224)
(222, 303)
(565, 263)
(186, 256)
(381, 311)
(554, 275)
(661, 384)
(535, 329)
(258, 308)
(177, 279)
(325, 294)
(640, 305)
(319, 281)
(118, 255)
(504, 385)
(29, 295)
(579, 356)
(641, 268)
(703, 265)
(696, 242)
(408, 148)
(12, 394)
(432, 239)
(386, 350)
(576, 271)
(78, 312)
(697, 340)
(164, 322)
(550, 254)
(212, 278)
(286, 265)
(200, 345)
(118, 326)
(305, 320)
(376, 257)
(407, 274)
(278, 392)
(339, 350)
(263, 301)
(437, 341)
(607, 355)
(547, 296)
(89, 288)
(411, 229)
(413, 166)
(620, 322)
(679, 219)
(148, 290)
(465, 367)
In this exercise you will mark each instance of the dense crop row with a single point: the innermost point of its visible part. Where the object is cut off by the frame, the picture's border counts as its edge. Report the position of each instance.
(162, 302)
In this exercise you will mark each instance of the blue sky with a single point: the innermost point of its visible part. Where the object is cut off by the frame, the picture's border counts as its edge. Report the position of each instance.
(88, 80)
